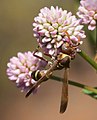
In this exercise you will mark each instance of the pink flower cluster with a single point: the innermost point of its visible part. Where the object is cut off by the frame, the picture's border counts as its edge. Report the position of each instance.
(87, 11)
(55, 27)
(20, 68)
(57, 32)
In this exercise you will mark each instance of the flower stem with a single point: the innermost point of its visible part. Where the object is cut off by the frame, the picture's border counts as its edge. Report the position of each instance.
(96, 36)
(75, 84)
(88, 59)
(69, 81)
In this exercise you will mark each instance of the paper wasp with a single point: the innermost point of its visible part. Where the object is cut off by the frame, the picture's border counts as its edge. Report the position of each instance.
(41, 77)
(61, 61)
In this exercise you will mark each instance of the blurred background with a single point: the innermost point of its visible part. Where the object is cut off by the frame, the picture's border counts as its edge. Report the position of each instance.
(16, 17)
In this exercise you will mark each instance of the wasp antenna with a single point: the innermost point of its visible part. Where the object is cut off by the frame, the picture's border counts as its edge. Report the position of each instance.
(67, 34)
(37, 50)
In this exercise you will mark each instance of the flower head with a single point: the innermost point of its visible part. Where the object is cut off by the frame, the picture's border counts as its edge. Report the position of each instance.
(20, 68)
(55, 28)
(87, 11)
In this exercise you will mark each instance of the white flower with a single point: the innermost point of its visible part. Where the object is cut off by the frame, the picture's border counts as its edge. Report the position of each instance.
(19, 69)
(54, 27)
(87, 11)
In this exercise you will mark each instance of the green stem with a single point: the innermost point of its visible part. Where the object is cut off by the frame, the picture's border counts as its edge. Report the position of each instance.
(69, 81)
(75, 84)
(96, 36)
(88, 59)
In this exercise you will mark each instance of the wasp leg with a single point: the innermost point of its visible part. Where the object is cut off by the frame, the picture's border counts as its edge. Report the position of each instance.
(34, 54)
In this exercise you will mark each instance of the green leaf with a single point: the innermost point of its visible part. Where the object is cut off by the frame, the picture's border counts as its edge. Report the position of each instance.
(87, 91)
(90, 93)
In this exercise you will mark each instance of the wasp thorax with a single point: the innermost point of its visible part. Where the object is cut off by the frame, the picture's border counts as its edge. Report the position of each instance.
(64, 61)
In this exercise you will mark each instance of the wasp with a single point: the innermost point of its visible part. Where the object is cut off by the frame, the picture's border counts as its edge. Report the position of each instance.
(62, 61)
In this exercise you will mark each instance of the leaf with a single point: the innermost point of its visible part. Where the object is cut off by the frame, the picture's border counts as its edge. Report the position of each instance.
(90, 92)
